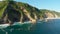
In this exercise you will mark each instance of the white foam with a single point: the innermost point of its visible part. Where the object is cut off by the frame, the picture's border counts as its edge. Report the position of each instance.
(4, 25)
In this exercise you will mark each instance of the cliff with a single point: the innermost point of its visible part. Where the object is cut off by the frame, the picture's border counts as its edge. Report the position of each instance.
(13, 11)
(49, 13)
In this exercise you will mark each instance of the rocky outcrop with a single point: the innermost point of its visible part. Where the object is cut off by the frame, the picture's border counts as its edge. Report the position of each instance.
(15, 13)
(50, 15)
(12, 11)
(44, 13)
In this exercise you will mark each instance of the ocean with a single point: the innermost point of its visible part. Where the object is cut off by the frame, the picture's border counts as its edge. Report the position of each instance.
(52, 26)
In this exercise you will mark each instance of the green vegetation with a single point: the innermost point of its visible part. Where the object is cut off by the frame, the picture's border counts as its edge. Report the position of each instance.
(3, 6)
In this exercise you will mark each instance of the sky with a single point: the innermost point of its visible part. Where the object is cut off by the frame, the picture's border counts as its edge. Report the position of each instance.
(34, 3)
(44, 4)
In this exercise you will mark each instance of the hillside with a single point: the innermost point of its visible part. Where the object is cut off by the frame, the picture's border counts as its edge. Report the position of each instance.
(17, 12)
(13, 11)
(49, 13)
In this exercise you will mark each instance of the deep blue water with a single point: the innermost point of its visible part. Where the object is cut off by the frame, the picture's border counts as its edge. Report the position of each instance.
(49, 27)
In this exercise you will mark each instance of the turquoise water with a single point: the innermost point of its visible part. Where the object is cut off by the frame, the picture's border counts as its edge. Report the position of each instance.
(50, 27)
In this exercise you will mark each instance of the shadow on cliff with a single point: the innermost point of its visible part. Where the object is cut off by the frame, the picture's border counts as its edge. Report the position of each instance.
(10, 15)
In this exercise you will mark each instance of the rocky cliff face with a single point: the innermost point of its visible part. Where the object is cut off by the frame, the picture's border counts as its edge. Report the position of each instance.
(17, 12)
(12, 11)
(50, 15)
